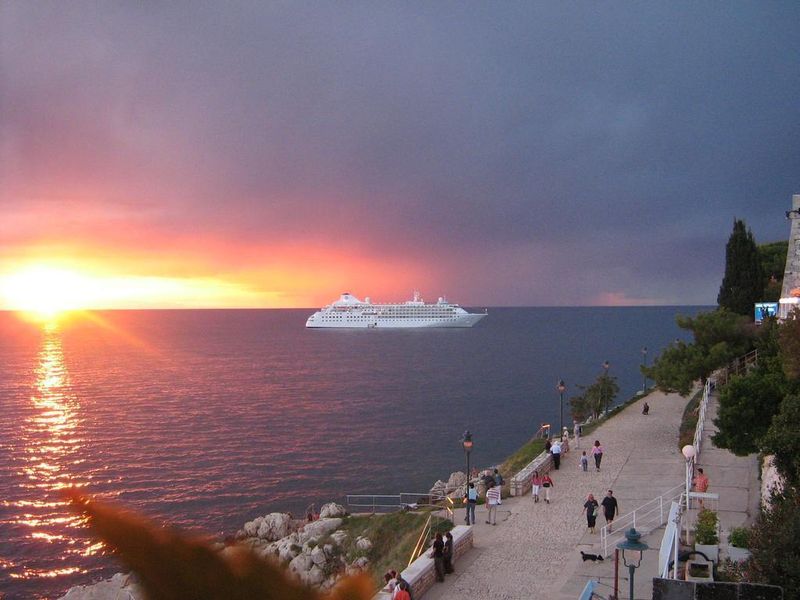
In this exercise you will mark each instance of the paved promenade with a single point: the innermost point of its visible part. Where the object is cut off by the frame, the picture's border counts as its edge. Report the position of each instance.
(533, 552)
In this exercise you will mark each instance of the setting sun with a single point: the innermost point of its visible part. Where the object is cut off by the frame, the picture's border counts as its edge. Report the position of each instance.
(45, 291)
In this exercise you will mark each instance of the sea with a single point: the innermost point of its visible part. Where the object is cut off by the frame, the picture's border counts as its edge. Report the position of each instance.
(205, 419)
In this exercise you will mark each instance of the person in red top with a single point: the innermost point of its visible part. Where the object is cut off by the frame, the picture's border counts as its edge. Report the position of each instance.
(547, 483)
(402, 593)
(700, 482)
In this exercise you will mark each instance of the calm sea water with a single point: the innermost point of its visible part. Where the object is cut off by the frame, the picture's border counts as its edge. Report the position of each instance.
(207, 419)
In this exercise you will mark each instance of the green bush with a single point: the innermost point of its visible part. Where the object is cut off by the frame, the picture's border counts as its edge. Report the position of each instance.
(739, 537)
(705, 532)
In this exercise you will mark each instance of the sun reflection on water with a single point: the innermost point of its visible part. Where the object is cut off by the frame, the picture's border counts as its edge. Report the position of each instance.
(52, 439)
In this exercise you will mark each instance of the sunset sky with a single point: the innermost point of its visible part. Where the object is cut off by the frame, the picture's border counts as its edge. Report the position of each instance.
(276, 154)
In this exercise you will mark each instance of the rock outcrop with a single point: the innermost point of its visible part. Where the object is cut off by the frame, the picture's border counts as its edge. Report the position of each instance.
(119, 587)
(332, 510)
(271, 527)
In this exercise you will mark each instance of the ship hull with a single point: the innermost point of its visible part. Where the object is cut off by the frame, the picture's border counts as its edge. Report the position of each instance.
(462, 321)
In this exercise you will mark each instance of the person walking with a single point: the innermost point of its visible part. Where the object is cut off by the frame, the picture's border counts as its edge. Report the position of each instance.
(438, 556)
(492, 502)
(700, 483)
(498, 478)
(597, 452)
(536, 484)
(547, 483)
(584, 462)
(590, 507)
(448, 553)
(610, 508)
(576, 433)
(555, 451)
(470, 500)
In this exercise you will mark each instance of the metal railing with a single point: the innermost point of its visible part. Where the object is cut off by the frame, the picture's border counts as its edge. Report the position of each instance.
(389, 502)
(646, 518)
(737, 366)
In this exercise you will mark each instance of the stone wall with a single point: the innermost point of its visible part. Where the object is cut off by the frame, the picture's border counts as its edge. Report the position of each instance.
(520, 484)
(791, 276)
(421, 574)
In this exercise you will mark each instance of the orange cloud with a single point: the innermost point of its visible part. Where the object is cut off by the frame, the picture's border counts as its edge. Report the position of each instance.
(622, 299)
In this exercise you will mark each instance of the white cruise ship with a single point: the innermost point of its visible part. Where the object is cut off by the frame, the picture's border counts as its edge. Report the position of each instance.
(350, 312)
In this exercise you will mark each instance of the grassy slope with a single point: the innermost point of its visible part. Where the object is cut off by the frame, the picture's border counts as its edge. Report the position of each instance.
(393, 538)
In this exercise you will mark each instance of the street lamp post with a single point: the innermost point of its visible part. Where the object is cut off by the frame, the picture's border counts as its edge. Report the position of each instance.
(466, 442)
(561, 387)
(606, 365)
(644, 365)
(688, 452)
(632, 550)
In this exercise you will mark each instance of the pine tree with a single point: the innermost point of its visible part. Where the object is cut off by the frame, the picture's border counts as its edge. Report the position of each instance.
(742, 285)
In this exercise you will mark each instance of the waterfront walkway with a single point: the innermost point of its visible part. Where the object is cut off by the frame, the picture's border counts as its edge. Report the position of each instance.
(533, 552)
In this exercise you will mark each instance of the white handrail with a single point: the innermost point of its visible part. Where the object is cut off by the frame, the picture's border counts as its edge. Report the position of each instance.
(646, 518)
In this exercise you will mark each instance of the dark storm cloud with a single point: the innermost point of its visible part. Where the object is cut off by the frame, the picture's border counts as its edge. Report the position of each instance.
(609, 144)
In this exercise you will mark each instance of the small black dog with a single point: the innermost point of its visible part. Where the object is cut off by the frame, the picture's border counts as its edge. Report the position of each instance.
(594, 557)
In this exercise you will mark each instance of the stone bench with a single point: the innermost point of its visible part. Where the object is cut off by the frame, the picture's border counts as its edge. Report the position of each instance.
(421, 574)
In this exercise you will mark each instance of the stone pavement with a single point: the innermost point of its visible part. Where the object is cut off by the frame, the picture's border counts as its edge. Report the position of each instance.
(533, 552)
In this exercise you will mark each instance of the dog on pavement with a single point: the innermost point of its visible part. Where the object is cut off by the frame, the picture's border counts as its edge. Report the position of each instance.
(593, 557)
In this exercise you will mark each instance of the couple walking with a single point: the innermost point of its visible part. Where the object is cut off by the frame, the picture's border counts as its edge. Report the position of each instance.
(442, 555)
(493, 498)
(537, 483)
(610, 510)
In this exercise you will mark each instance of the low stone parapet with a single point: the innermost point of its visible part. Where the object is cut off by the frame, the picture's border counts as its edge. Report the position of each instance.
(520, 483)
(421, 574)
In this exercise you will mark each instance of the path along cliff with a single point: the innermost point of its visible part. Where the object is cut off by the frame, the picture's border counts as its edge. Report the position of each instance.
(533, 551)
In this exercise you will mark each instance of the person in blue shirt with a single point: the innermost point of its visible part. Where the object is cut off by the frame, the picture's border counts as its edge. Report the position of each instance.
(471, 499)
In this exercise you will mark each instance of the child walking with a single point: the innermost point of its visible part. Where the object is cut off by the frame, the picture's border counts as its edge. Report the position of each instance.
(584, 462)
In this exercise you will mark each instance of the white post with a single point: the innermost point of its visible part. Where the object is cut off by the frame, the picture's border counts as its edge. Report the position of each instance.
(675, 545)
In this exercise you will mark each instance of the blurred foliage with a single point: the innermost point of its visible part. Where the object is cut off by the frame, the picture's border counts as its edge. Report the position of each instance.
(174, 566)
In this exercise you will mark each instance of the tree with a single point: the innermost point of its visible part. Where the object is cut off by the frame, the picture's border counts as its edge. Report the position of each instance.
(743, 285)
(719, 337)
(746, 407)
(595, 399)
(773, 543)
(783, 440)
(773, 264)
